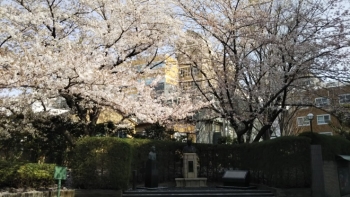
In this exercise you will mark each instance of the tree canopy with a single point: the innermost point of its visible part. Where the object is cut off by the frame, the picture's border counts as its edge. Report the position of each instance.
(251, 55)
(83, 51)
(262, 50)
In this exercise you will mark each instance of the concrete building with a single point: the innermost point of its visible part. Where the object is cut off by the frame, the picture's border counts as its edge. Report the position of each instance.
(206, 127)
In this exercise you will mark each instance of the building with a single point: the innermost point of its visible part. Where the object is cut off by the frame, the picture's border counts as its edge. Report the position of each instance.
(205, 127)
(329, 106)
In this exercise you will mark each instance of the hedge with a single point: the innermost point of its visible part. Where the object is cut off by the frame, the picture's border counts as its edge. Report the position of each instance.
(23, 175)
(169, 156)
(101, 163)
(284, 162)
(108, 162)
(331, 145)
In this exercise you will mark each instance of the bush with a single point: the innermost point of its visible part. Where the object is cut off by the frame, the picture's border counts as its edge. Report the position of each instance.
(282, 162)
(8, 173)
(32, 175)
(331, 145)
(102, 163)
(169, 158)
(36, 175)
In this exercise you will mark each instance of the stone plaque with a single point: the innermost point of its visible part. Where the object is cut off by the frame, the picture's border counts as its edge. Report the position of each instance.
(344, 180)
(236, 174)
(190, 166)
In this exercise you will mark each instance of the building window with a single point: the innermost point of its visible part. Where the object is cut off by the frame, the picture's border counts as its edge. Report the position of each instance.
(306, 82)
(323, 119)
(303, 121)
(159, 87)
(185, 72)
(321, 102)
(195, 71)
(217, 127)
(344, 98)
(188, 85)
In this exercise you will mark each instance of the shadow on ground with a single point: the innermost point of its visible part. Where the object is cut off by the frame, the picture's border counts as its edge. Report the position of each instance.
(118, 193)
(97, 193)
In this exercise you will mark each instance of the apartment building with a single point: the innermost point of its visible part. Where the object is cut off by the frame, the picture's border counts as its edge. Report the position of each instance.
(325, 104)
(205, 127)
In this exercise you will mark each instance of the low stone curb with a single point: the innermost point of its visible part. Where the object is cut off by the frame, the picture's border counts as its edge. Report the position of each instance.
(53, 193)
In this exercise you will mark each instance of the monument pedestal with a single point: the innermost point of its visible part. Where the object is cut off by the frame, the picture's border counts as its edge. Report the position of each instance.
(191, 182)
(190, 173)
(151, 174)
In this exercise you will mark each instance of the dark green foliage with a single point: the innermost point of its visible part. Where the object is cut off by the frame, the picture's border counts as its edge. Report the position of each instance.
(331, 145)
(43, 137)
(343, 133)
(101, 162)
(157, 132)
(103, 129)
(225, 140)
(33, 175)
(38, 137)
(282, 162)
(8, 172)
(169, 158)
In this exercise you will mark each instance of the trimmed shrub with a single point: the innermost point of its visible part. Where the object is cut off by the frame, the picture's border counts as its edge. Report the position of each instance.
(25, 175)
(8, 173)
(331, 145)
(169, 158)
(107, 163)
(102, 163)
(35, 175)
(281, 162)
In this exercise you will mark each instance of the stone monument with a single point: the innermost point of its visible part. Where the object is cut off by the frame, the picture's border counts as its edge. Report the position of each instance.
(151, 173)
(189, 169)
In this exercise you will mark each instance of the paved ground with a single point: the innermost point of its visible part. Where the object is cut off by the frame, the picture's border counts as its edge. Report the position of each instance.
(115, 193)
(140, 187)
(97, 193)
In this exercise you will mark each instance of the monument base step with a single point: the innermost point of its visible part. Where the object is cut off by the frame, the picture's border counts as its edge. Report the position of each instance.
(191, 182)
(199, 192)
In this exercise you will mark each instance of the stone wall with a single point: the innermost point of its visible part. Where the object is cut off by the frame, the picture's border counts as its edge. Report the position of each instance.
(317, 174)
(302, 192)
(285, 192)
(64, 193)
(331, 179)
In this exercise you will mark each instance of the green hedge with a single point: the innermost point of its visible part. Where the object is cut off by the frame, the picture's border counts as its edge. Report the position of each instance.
(33, 175)
(331, 145)
(169, 157)
(101, 162)
(108, 162)
(282, 162)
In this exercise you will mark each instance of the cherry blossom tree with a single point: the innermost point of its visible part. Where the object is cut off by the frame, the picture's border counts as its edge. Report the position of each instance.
(261, 51)
(83, 51)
